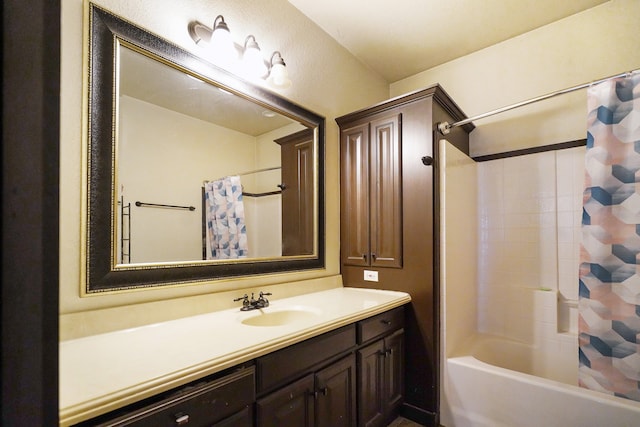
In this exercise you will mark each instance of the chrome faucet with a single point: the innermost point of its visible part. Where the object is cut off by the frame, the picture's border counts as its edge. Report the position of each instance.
(252, 304)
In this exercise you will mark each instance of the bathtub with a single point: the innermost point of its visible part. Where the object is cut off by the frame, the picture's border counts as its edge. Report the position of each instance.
(502, 383)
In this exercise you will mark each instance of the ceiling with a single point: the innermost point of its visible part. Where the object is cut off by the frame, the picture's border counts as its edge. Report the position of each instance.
(403, 37)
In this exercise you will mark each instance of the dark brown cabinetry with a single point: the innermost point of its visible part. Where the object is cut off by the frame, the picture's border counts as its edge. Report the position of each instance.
(389, 204)
(297, 160)
(371, 191)
(380, 368)
(324, 399)
(346, 377)
(324, 396)
(381, 380)
(224, 401)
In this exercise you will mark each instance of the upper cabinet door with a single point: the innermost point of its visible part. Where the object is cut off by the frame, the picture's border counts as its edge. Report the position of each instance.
(371, 193)
(354, 195)
(386, 193)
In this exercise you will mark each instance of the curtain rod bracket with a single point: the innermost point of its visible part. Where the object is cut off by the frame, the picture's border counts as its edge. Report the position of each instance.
(444, 128)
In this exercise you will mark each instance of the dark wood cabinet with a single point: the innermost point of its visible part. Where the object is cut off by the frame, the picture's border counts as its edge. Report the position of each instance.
(336, 379)
(326, 398)
(297, 160)
(396, 215)
(371, 192)
(224, 401)
(326, 393)
(335, 395)
(291, 405)
(380, 368)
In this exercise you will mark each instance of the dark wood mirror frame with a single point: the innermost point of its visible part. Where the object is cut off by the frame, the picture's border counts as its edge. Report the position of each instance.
(100, 274)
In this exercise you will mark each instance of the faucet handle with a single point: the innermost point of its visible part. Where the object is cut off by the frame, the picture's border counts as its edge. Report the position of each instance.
(246, 305)
(242, 298)
(262, 301)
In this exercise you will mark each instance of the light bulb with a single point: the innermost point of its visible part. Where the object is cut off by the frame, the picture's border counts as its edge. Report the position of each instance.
(252, 63)
(221, 44)
(279, 76)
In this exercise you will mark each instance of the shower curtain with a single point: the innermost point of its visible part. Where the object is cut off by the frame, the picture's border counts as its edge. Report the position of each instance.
(609, 306)
(226, 230)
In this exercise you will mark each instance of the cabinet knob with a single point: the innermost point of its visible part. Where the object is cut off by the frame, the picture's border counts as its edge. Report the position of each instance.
(181, 419)
(386, 322)
(323, 391)
(427, 160)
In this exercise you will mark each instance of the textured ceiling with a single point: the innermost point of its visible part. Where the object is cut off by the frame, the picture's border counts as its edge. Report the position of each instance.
(403, 37)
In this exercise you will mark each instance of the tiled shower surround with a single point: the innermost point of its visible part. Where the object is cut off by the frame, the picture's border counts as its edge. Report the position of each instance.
(530, 210)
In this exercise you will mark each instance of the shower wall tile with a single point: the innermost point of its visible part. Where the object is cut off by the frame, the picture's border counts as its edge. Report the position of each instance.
(529, 216)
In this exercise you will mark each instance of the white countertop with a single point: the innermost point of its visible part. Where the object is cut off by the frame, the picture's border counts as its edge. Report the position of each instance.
(107, 371)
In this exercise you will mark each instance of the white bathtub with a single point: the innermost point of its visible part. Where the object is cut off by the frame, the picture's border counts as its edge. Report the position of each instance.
(493, 386)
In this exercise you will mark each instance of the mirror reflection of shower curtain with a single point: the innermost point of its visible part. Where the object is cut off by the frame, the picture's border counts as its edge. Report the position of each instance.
(226, 230)
(609, 308)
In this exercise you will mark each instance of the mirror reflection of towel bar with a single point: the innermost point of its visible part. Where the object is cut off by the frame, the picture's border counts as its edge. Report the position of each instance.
(156, 205)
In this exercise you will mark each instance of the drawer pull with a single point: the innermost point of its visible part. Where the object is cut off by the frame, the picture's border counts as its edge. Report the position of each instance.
(181, 419)
(386, 322)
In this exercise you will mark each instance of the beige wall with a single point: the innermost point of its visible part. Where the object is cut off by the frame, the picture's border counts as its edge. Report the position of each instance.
(594, 44)
(326, 79)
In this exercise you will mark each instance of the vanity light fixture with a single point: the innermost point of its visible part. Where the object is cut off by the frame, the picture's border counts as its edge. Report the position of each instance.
(278, 75)
(246, 60)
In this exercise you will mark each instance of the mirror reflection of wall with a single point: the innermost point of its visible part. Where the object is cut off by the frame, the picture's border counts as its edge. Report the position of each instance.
(167, 149)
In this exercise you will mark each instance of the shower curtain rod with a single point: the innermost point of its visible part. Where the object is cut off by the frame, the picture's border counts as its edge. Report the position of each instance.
(249, 172)
(259, 170)
(445, 127)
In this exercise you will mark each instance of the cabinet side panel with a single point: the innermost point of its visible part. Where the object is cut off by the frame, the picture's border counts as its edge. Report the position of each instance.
(394, 345)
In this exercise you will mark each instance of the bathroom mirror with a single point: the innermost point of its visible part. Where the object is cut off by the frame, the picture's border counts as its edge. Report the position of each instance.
(166, 131)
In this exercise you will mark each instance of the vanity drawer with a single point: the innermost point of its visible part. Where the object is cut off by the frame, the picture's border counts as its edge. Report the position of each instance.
(380, 325)
(198, 405)
(277, 368)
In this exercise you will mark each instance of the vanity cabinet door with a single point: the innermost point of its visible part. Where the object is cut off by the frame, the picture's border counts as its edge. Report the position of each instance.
(292, 405)
(335, 394)
(381, 380)
(371, 193)
(370, 385)
(354, 195)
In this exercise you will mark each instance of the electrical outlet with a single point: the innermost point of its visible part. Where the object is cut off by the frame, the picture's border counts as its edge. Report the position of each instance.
(371, 276)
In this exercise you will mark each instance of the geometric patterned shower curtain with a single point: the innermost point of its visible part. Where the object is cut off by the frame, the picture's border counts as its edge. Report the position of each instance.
(224, 209)
(609, 304)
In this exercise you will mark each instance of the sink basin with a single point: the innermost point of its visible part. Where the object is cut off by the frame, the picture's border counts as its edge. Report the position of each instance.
(281, 317)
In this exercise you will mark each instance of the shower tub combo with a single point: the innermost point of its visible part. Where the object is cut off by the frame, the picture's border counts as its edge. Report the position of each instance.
(498, 383)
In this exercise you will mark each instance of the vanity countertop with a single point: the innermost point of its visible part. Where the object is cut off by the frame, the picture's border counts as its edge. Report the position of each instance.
(104, 372)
